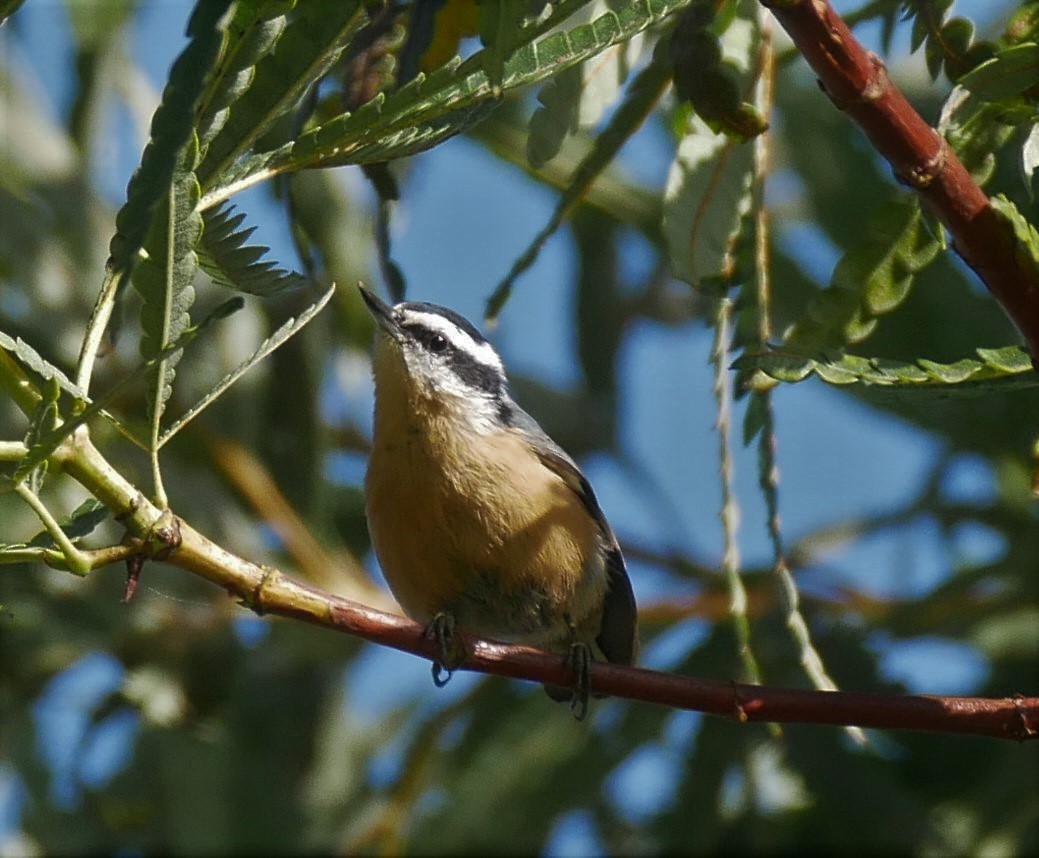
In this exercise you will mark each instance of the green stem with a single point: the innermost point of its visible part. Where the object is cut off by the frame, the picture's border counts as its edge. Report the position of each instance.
(12, 451)
(78, 563)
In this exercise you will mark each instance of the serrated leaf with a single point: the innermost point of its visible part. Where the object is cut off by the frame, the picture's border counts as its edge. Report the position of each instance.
(172, 127)
(1001, 370)
(50, 441)
(33, 361)
(430, 109)
(230, 262)
(305, 50)
(871, 279)
(280, 336)
(1025, 236)
(165, 281)
(253, 32)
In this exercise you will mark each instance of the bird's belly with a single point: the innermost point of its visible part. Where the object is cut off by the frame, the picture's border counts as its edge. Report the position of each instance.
(509, 554)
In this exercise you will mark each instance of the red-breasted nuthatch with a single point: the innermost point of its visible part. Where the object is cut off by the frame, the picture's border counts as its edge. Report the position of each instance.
(478, 518)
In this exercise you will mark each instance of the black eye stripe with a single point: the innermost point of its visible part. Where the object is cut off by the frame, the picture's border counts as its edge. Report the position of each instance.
(461, 363)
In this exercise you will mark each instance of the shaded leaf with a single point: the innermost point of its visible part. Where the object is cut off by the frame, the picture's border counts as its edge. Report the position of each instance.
(287, 330)
(226, 258)
(1001, 370)
(172, 127)
(305, 50)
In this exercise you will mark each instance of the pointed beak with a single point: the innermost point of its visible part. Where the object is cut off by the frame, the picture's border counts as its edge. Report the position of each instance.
(381, 312)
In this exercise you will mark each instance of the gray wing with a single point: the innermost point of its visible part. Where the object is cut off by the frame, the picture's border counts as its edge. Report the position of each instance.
(618, 635)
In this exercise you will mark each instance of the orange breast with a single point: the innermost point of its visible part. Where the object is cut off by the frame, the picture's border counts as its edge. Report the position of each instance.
(484, 531)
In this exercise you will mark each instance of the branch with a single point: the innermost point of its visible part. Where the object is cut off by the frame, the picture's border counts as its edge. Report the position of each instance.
(857, 83)
(268, 591)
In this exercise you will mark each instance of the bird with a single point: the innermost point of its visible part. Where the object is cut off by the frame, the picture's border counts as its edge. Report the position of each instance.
(480, 522)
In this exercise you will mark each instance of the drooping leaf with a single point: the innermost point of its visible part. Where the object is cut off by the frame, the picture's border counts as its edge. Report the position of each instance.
(229, 261)
(305, 50)
(1005, 369)
(646, 89)
(172, 128)
(431, 108)
(253, 32)
(708, 192)
(871, 279)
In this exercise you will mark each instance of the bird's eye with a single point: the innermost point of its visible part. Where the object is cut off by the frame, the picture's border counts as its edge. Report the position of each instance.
(437, 343)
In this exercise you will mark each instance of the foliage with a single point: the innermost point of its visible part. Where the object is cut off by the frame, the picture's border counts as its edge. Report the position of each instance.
(180, 723)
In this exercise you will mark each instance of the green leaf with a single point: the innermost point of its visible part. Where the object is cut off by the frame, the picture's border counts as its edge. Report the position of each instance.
(48, 442)
(500, 22)
(8, 8)
(644, 93)
(1009, 73)
(280, 336)
(308, 47)
(995, 370)
(871, 279)
(255, 29)
(708, 192)
(82, 521)
(556, 118)
(1025, 237)
(707, 196)
(165, 281)
(44, 420)
(226, 258)
(172, 128)
(430, 109)
(35, 363)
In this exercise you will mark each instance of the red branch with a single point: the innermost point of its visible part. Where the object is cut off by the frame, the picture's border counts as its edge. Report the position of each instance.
(1007, 718)
(857, 82)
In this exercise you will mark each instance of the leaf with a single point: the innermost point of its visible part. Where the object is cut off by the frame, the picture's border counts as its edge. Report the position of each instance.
(280, 336)
(172, 127)
(1025, 237)
(307, 48)
(31, 359)
(499, 24)
(43, 421)
(556, 118)
(1009, 73)
(708, 193)
(8, 8)
(645, 91)
(871, 279)
(82, 521)
(165, 282)
(995, 370)
(50, 441)
(253, 32)
(227, 259)
(430, 109)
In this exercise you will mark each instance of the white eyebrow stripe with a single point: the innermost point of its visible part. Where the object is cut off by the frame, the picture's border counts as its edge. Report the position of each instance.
(481, 352)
